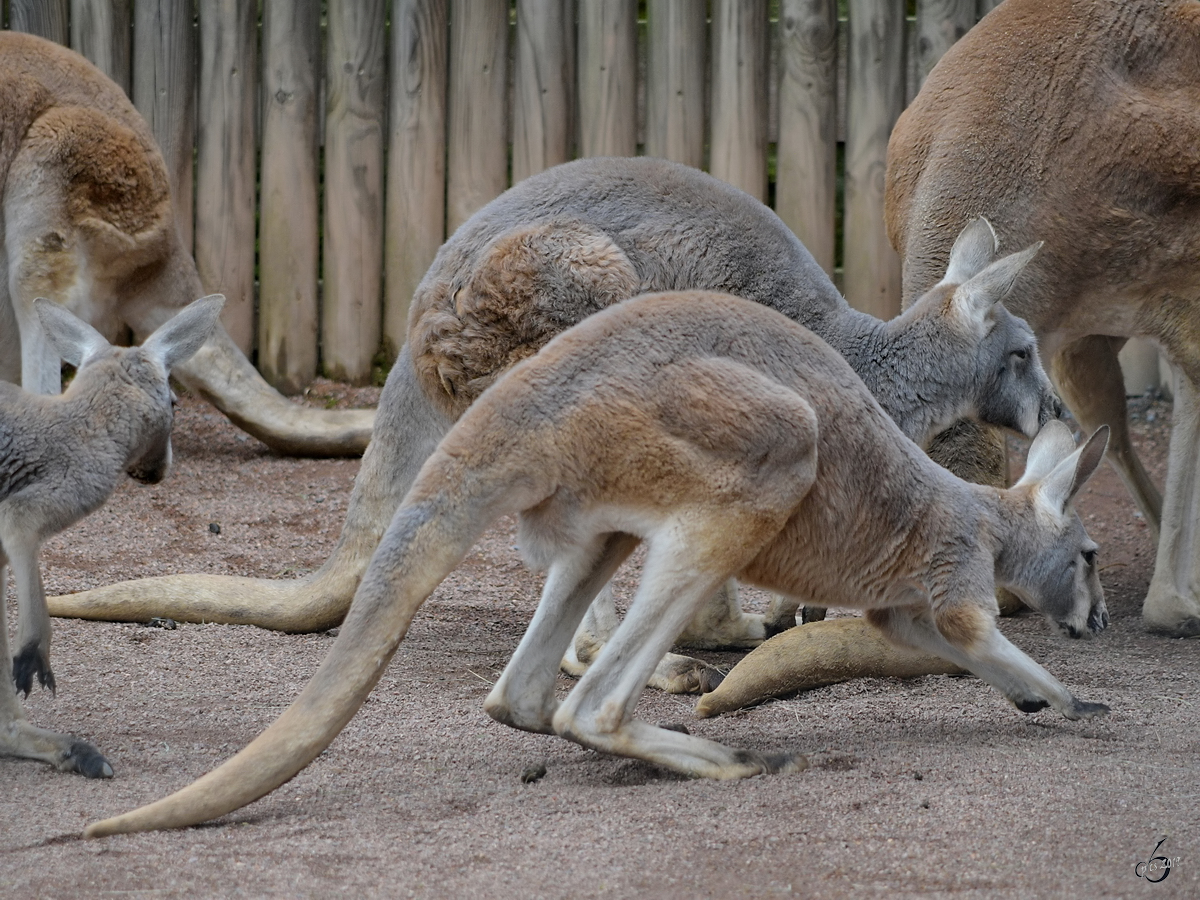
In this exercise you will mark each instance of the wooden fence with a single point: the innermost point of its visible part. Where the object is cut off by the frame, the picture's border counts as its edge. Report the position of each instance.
(351, 137)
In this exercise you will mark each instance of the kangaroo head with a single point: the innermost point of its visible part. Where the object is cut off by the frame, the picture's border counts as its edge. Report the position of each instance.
(135, 380)
(997, 351)
(1049, 561)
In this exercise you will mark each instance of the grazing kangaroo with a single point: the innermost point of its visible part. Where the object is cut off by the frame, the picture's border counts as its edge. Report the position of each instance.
(735, 444)
(60, 459)
(87, 221)
(568, 243)
(1079, 121)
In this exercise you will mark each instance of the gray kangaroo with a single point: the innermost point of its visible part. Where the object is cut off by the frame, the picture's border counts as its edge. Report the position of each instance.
(734, 443)
(60, 458)
(568, 243)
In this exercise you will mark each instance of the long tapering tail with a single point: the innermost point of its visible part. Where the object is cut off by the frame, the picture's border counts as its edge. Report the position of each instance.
(425, 541)
(223, 375)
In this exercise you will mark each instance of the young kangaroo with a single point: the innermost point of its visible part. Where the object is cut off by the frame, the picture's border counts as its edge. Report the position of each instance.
(88, 221)
(60, 459)
(574, 240)
(735, 444)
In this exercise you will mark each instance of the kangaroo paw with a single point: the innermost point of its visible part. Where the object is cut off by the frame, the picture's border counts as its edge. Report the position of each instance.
(684, 675)
(1081, 709)
(85, 759)
(26, 664)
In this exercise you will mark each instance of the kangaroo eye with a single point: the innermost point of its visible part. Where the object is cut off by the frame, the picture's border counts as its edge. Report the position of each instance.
(1021, 354)
(1089, 557)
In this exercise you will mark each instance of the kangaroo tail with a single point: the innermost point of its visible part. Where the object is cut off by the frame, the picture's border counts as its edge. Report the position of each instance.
(221, 373)
(427, 538)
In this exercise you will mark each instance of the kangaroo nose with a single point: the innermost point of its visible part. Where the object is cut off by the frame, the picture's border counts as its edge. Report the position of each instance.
(1052, 408)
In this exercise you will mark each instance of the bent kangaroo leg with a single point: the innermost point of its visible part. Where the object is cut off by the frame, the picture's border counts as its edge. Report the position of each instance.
(598, 711)
(1088, 375)
(1171, 603)
(33, 629)
(985, 652)
(407, 429)
(674, 673)
(524, 695)
(21, 739)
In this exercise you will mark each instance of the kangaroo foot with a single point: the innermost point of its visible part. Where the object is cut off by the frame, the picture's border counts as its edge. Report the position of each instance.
(26, 664)
(683, 675)
(85, 759)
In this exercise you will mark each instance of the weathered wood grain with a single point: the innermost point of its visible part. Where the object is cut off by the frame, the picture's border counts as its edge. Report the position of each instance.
(289, 215)
(353, 250)
(226, 160)
(416, 177)
(607, 77)
(675, 80)
(544, 86)
(101, 31)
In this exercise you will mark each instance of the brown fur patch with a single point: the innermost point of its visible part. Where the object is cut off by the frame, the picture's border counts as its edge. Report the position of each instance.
(527, 286)
(963, 625)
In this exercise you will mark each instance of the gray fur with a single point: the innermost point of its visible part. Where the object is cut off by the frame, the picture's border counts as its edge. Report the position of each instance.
(60, 459)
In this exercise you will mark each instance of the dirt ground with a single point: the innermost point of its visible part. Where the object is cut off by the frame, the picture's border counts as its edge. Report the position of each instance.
(928, 787)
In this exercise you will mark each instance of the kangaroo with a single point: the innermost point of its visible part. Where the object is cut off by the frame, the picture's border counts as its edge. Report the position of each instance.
(734, 443)
(568, 243)
(60, 459)
(1079, 122)
(87, 221)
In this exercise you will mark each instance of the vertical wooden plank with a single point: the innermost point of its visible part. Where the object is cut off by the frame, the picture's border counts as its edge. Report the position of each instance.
(1140, 366)
(675, 78)
(986, 6)
(608, 77)
(356, 79)
(225, 160)
(289, 211)
(939, 24)
(416, 177)
(164, 92)
(45, 18)
(874, 102)
(738, 142)
(806, 152)
(100, 30)
(545, 78)
(477, 151)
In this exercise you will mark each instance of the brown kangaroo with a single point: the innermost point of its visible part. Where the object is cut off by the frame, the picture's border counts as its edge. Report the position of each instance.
(1078, 121)
(734, 443)
(87, 222)
(569, 242)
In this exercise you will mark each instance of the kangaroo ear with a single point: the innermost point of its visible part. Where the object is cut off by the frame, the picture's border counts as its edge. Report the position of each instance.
(972, 251)
(1061, 485)
(184, 334)
(1052, 445)
(977, 295)
(73, 339)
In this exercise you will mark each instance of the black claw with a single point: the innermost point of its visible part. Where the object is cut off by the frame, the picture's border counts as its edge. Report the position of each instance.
(812, 614)
(26, 664)
(710, 680)
(87, 761)
(1086, 710)
(1030, 706)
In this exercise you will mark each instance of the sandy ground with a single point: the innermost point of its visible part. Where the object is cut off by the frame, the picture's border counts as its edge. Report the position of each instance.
(929, 787)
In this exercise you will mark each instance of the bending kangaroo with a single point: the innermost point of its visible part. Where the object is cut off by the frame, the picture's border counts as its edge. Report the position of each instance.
(60, 459)
(735, 444)
(567, 243)
(87, 221)
(1079, 121)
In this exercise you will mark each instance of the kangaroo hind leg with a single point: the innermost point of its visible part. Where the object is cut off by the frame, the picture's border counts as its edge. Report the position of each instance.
(21, 739)
(524, 695)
